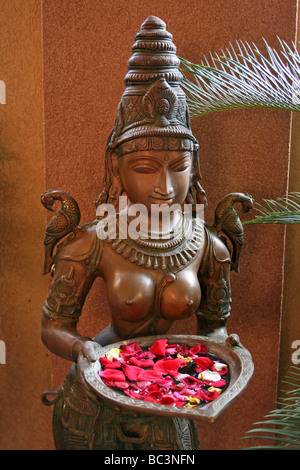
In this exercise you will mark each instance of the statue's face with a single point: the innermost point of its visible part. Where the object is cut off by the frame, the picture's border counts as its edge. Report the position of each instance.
(156, 176)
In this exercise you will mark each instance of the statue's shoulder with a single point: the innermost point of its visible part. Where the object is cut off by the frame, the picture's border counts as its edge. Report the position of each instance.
(81, 245)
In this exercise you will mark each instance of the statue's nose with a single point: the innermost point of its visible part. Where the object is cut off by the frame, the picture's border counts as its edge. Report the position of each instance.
(164, 187)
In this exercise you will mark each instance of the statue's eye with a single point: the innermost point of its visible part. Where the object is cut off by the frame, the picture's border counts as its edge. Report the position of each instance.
(180, 168)
(144, 169)
(181, 165)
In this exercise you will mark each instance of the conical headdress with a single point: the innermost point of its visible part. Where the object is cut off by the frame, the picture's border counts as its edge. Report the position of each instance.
(153, 103)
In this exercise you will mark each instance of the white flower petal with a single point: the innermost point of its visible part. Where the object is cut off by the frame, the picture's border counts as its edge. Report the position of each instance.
(209, 376)
(219, 365)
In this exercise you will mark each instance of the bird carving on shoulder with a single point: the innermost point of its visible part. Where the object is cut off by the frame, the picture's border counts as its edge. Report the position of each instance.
(66, 220)
(227, 220)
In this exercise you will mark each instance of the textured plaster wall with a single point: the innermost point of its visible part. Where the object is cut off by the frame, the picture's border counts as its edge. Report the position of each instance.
(86, 47)
(290, 325)
(24, 421)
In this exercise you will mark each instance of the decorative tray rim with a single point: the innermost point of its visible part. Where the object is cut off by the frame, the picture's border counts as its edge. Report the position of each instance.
(234, 355)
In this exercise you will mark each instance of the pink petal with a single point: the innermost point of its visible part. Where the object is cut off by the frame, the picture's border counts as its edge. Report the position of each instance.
(172, 349)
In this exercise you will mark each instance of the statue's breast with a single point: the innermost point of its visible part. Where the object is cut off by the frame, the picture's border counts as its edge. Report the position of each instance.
(134, 293)
(181, 297)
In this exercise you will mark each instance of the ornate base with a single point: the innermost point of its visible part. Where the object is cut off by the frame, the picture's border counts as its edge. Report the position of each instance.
(80, 423)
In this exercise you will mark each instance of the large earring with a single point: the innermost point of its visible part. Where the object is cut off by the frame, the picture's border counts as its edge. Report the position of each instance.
(116, 187)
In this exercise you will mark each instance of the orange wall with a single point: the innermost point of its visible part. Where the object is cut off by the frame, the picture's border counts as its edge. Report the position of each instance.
(290, 325)
(24, 422)
(85, 49)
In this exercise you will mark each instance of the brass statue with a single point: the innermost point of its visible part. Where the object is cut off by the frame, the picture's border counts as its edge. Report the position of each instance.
(152, 158)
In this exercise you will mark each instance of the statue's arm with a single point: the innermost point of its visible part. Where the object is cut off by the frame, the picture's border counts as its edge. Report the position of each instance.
(75, 267)
(214, 278)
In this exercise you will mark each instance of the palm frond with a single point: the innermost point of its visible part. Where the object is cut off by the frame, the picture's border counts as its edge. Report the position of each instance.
(281, 428)
(283, 210)
(244, 78)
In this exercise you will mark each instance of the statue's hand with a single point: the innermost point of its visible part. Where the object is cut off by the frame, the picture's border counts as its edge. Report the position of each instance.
(86, 355)
(88, 351)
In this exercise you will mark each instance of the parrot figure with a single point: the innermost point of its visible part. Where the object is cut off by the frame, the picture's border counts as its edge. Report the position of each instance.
(66, 220)
(228, 222)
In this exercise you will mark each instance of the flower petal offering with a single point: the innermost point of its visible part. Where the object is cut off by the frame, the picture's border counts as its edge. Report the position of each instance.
(167, 374)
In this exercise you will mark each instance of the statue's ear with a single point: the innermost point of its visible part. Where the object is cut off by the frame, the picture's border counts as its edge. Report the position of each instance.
(114, 164)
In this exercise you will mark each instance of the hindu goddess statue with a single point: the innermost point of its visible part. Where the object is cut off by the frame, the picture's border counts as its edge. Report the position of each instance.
(152, 279)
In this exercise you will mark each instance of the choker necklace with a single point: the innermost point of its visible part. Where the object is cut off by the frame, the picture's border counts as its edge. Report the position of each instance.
(166, 255)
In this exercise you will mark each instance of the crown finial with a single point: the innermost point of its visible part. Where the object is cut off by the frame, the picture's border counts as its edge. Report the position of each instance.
(154, 55)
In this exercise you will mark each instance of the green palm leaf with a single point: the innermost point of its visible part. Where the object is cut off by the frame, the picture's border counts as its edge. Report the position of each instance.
(283, 210)
(243, 79)
(281, 428)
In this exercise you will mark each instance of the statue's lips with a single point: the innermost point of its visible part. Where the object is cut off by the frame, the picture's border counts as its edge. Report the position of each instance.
(162, 200)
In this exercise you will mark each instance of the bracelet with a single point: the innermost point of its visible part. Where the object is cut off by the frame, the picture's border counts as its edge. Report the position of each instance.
(75, 351)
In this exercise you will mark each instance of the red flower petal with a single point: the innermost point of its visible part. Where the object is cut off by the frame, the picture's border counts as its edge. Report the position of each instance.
(183, 350)
(168, 400)
(113, 365)
(145, 355)
(219, 383)
(149, 375)
(134, 394)
(132, 372)
(192, 382)
(198, 349)
(122, 385)
(221, 371)
(112, 374)
(199, 393)
(104, 360)
(165, 381)
(143, 384)
(169, 366)
(141, 362)
(154, 396)
(153, 387)
(180, 403)
(203, 363)
(131, 349)
(210, 396)
(159, 347)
